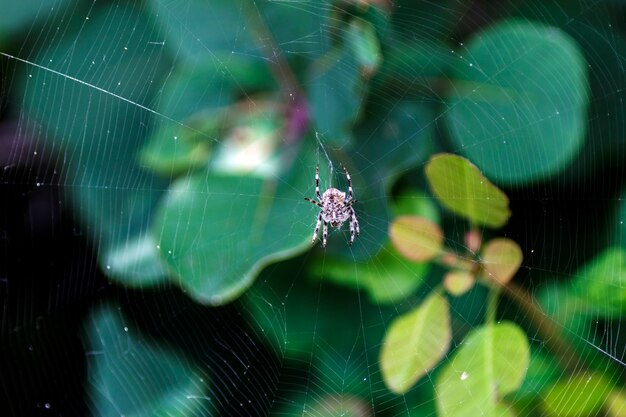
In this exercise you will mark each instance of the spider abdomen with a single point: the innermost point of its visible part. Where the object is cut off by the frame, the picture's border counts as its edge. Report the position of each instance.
(336, 209)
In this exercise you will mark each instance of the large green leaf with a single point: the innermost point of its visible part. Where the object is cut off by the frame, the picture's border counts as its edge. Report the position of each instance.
(21, 15)
(600, 286)
(198, 29)
(490, 363)
(518, 104)
(596, 290)
(295, 25)
(335, 93)
(461, 187)
(132, 376)
(415, 342)
(195, 101)
(413, 68)
(223, 29)
(216, 232)
(97, 125)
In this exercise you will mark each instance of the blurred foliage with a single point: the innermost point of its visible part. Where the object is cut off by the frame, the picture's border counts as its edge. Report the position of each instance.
(134, 377)
(491, 363)
(415, 343)
(535, 88)
(189, 132)
(462, 188)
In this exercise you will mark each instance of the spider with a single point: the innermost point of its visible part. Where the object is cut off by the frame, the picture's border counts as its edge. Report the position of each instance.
(336, 208)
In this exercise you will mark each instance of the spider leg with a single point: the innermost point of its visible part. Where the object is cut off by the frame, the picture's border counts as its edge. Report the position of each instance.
(317, 227)
(317, 182)
(312, 201)
(355, 221)
(349, 182)
(324, 233)
(351, 231)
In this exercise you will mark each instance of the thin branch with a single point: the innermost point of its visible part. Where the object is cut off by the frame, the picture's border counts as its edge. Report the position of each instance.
(549, 330)
(298, 116)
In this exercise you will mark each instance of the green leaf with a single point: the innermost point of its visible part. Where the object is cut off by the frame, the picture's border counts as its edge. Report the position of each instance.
(500, 259)
(521, 113)
(387, 277)
(490, 363)
(252, 144)
(362, 38)
(577, 396)
(460, 187)
(416, 238)
(132, 376)
(18, 16)
(196, 102)
(216, 28)
(177, 149)
(415, 343)
(335, 93)
(100, 134)
(217, 232)
(413, 66)
(600, 286)
(223, 28)
(135, 262)
(295, 27)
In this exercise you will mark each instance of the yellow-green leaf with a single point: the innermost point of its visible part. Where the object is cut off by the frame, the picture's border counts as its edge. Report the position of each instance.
(458, 283)
(416, 238)
(415, 343)
(462, 188)
(500, 259)
(577, 396)
(340, 405)
(616, 404)
(491, 362)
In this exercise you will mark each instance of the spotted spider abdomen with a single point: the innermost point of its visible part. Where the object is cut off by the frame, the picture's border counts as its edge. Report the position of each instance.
(335, 208)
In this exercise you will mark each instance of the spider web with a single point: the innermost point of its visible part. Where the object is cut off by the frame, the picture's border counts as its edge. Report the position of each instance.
(305, 337)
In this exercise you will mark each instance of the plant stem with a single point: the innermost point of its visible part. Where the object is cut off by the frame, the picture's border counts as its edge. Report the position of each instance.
(298, 116)
(549, 330)
(492, 304)
(277, 64)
